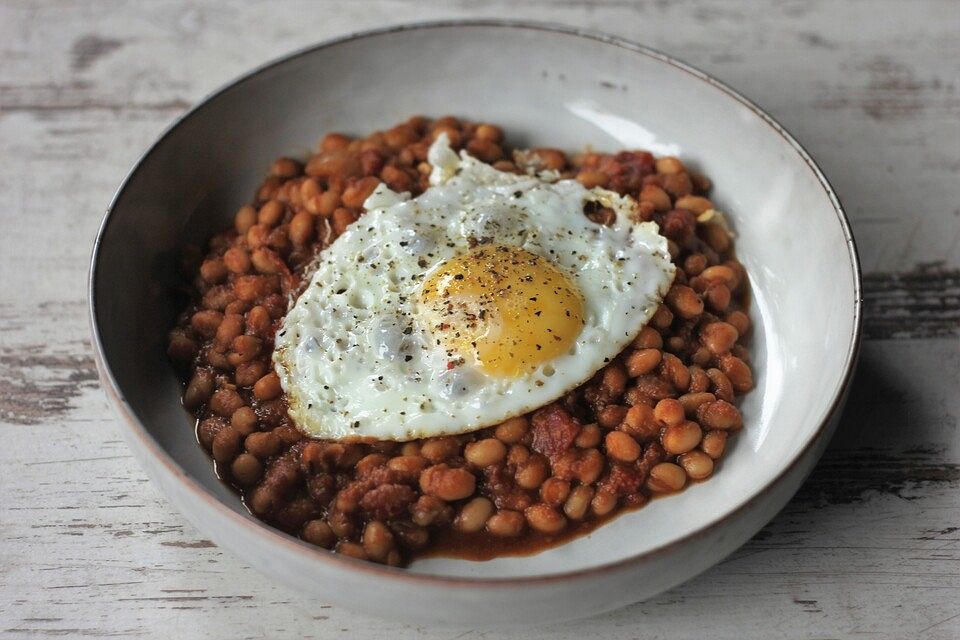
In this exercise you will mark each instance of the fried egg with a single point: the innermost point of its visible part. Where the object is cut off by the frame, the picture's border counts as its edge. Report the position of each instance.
(489, 295)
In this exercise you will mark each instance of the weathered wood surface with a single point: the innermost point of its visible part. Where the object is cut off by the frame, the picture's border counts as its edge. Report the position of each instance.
(870, 546)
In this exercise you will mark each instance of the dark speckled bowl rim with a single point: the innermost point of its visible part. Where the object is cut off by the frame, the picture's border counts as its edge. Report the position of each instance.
(274, 536)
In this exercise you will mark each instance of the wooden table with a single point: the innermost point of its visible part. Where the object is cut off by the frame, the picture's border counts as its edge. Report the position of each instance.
(871, 544)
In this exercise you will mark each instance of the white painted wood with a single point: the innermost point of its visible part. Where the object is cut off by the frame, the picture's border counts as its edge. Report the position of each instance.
(871, 545)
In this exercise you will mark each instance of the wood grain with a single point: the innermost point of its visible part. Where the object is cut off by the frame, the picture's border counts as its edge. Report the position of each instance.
(870, 545)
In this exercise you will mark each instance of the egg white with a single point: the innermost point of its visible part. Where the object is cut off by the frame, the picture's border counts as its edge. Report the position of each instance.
(357, 362)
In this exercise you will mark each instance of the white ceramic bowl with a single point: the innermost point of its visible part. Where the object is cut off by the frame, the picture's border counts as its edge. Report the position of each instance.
(547, 85)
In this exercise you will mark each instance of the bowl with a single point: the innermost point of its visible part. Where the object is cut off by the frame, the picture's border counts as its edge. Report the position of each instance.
(547, 85)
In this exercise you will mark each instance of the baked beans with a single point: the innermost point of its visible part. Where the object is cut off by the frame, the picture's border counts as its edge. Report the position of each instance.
(658, 416)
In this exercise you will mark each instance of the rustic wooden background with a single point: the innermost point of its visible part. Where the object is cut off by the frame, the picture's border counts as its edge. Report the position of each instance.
(870, 546)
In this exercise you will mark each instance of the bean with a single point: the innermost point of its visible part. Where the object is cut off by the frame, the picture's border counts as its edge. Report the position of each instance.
(713, 443)
(318, 532)
(674, 371)
(341, 524)
(719, 337)
(603, 502)
(426, 510)
(259, 322)
(669, 412)
(213, 270)
(717, 296)
(692, 401)
(271, 213)
(486, 150)
(245, 348)
(237, 260)
(719, 415)
(720, 273)
(396, 178)
(613, 380)
(640, 422)
(656, 196)
(716, 237)
(208, 429)
(545, 519)
(589, 435)
(377, 541)
(225, 401)
(410, 448)
(206, 322)
(439, 449)
(506, 524)
(550, 159)
(247, 373)
(301, 228)
(262, 444)
(266, 261)
(697, 464)
(591, 178)
(342, 218)
(474, 515)
(648, 338)
(453, 134)
(257, 236)
(484, 453)
(666, 477)
(200, 389)
(409, 465)
(642, 361)
(699, 380)
(355, 195)
(722, 387)
(621, 446)
(286, 168)
(368, 463)
(695, 264)
(246, 469)
(740, 321)
(669, 165)
(489, 132)
(352, 549)
(512, 431)
(684, 301)
(681, 438)
(554, 491)
(694, 204)
(533, 472)
(226, 445)
(180, 347)
(334, 142)
(662, 317)
(410, 535)
(609, 417)
(446, 483)
(229, 329)
(578, 502)
(245, 218)
(741, 352)
(244, 420)
(678, 184)
(590, 466)
(268, 387)
(738, 372)
(253, 288)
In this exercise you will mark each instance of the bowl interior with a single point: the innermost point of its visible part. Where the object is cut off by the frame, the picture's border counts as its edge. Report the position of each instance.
(549, 89)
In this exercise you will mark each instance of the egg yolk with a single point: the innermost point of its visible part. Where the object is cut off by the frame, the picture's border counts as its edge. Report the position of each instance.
(511, 309)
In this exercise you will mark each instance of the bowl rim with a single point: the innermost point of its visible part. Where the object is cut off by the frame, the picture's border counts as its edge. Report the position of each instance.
(268, 534)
